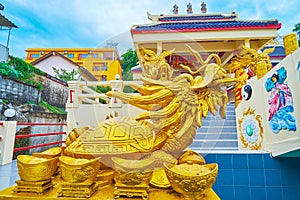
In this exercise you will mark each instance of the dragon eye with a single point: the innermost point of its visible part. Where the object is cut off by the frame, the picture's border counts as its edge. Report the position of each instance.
(246, 92)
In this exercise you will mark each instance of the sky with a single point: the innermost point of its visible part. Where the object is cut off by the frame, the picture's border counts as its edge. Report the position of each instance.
(90, 23)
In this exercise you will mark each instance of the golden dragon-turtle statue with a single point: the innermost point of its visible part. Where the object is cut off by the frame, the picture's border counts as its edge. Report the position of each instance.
(138, 151)
(174, 109)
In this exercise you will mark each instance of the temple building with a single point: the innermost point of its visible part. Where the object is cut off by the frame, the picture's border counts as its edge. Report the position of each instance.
(221, 33)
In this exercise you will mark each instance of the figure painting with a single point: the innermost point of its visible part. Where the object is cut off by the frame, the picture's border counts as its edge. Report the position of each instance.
(281, 102)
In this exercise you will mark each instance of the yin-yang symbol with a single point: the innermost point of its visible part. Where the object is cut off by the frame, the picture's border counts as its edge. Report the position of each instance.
(246, 92)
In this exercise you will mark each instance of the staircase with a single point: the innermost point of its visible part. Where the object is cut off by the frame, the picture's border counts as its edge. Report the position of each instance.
(217, 134)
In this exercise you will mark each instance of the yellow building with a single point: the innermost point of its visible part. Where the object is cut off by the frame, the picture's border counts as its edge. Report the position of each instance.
(103, 63)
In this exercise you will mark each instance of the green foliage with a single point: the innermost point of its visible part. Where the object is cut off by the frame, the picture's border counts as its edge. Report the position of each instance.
(65, 76)
(129, 60)
(19, 69)
(102, 90)
(127, 75)
(25, 68)
(51, 108)
(6, 70)
(297, 31)
(128, 89)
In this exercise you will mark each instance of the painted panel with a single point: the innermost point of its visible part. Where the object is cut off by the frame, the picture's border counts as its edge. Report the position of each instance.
(268, 116)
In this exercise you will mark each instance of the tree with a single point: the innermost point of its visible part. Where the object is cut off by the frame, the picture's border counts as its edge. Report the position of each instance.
(129, 60)
(65, 76)
(297, 31)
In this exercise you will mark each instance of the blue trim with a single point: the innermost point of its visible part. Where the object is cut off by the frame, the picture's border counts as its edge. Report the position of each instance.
(205, 25)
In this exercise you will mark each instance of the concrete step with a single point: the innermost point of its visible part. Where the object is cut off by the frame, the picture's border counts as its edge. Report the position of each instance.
(218, 117)
(218, 123)
(214, 144)
(216, 136)
(217, 133)
(217, 129)
(203, 150)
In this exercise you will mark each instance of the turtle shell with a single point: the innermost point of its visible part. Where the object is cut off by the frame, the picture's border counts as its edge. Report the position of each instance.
(116, 136)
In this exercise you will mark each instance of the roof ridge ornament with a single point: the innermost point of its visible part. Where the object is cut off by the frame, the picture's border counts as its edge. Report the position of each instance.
(189, 8)
(203, 7)
(175, 9)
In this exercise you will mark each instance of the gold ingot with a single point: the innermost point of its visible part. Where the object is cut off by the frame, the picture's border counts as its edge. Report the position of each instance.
(36, 169)
(190, 156)
(192, 180)
(78, 170)
(159, 179)
(133, 172)
(49, 153)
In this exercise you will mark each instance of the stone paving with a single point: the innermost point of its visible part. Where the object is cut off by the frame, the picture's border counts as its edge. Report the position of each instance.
(8, 174)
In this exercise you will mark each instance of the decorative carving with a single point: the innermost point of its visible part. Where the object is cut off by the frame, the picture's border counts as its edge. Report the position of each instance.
(35, 173)
(248, 64)
(251, 130)
(290, 43)
(38, 187)
(175, 9)
(36, 169)
(192, 180)
(78, 170)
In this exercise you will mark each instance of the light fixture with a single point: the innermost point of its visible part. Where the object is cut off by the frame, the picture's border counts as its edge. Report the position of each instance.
(9, 112)
(89, 52)
(42, 52)
(65, 52)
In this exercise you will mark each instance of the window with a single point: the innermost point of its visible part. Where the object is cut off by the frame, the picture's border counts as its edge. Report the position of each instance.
(96, 68)
(80, 56)
(34, 55)
(94, 55)
(84, 55)
(104, 67)
(104, 78)
(108, 55)
(71, 55)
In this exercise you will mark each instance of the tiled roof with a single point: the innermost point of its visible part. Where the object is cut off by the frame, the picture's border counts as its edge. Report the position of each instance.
(5, 22)
(55, 53)
(198, 17)
(278, 51)
(190, 26)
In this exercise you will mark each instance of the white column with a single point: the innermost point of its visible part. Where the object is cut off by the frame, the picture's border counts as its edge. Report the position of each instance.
(7, 136)
(72, 105)
(74, 90)
(159, 47)
(247, 43)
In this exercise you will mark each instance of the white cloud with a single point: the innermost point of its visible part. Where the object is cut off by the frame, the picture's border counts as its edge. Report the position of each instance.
(87, 23)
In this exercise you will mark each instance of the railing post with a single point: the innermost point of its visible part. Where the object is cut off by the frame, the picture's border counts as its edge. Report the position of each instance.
(116, 86)
(7, 134)
(74, 90)
(72, 104)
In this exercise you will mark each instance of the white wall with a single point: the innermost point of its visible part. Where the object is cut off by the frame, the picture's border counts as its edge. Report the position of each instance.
(57, 62)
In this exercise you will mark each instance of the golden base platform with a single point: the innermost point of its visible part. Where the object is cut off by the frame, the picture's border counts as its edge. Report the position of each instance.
(131, 191)
(33, 187)
(105, 193)
(79, 190)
